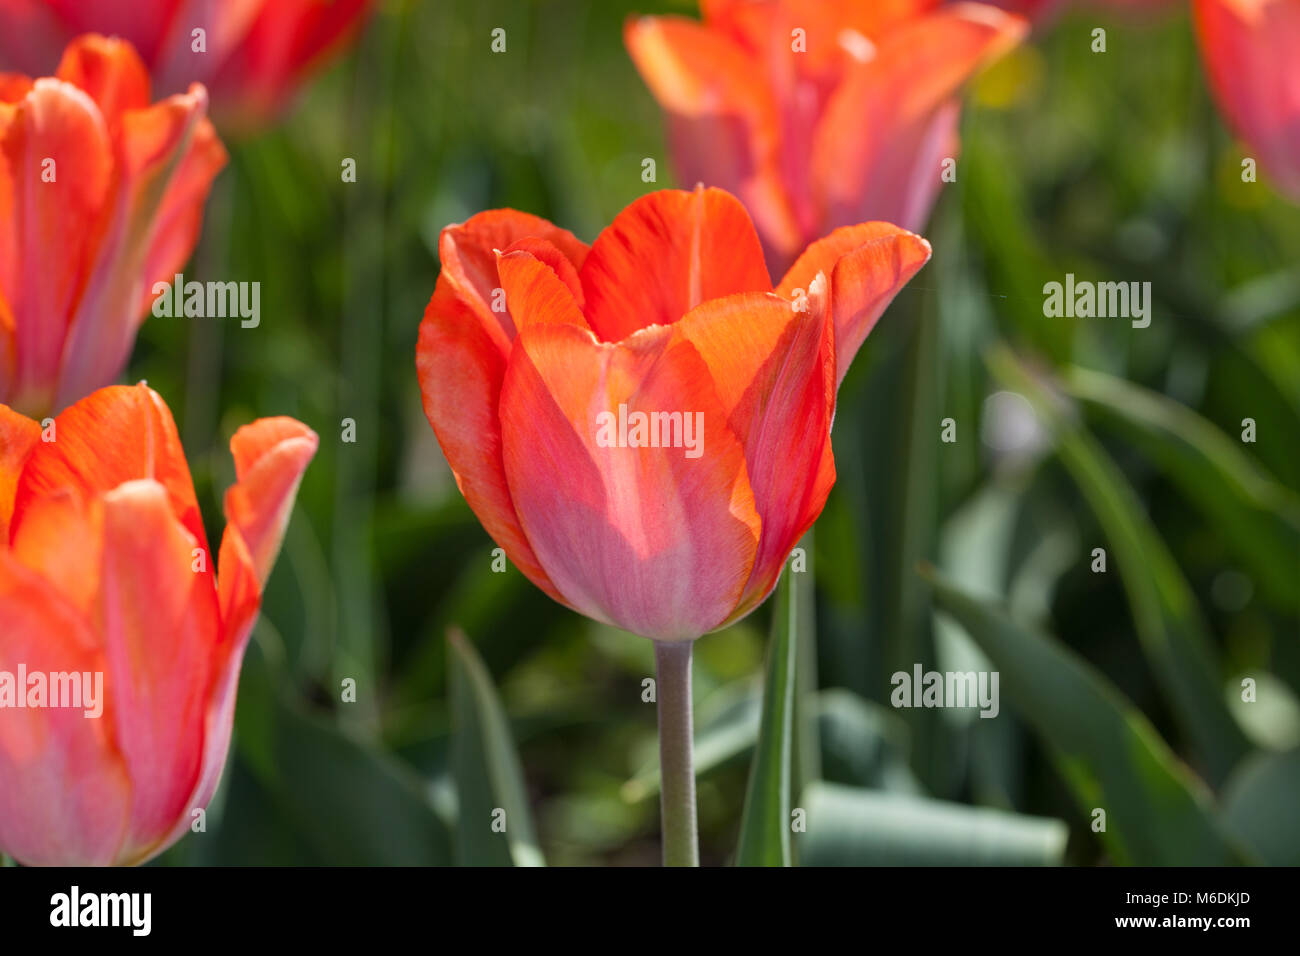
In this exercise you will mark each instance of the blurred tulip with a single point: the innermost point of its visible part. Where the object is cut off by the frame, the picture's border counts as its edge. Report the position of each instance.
(105, 568)
(254, 52)
(818, 114)
(533, 343)
(1251, 50)
(101, 195)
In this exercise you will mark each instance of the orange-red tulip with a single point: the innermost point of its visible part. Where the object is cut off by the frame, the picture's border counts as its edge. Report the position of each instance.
(818, 114)
(537, 351)
(105, 569)
(254, 52)
(101, 195)
(1251, 50)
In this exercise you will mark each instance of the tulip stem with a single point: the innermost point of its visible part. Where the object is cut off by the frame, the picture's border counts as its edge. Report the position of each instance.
(676, 753)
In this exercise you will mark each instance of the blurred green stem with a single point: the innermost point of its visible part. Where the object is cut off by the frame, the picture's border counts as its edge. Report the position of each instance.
(676, 753)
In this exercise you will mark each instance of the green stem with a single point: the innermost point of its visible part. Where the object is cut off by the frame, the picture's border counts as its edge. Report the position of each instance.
(676, 753)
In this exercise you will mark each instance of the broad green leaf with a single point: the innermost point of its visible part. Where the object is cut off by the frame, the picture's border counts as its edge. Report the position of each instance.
(1168, 622)
(1254, 514)
(354, 805)
(1259, 806)
(494, 826)
(863, 743)
(765, 820)
(1157, 812)
(848, 826)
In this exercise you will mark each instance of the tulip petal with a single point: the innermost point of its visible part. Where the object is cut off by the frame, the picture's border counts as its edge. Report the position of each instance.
(665, 254)
(270, 456)
(469, 261)
(285, 39)
(460, 368)
(109, 71)
(774, 368)
(160, 622)
(18, 435)
(56, 166)
(65, 799)
(868, 264)
(152, 147)
(1250, 48)
(723, 123)
(892, 107)
(650, 539)
(117, 434)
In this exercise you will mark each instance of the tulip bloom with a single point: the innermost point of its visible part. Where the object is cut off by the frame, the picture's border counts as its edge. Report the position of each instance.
(1251, 50)
(105, 569)
(254, 52)
(818, 115)
(101, 195)
(644, 424)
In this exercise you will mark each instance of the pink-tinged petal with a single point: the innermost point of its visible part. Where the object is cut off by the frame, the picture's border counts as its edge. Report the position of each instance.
(460, 369)
(774, 368)
(1251, 48)
(152, 147)
(887, 117)
(160, 622)
(722, 121)
(55, 122)
(469, 261)
(867, 264)
(118, 434)
(178, 220)
(65, 799)
(145, 24)
(270, 456)
(665, 254)
(286, 40)
(18, 435)
(649, 539)
(109, 71)
(32, 38)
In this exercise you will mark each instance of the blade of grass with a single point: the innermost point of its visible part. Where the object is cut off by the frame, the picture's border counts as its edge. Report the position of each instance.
(765, 820)
(494, 825)
(1172, 633)
(1157, 812)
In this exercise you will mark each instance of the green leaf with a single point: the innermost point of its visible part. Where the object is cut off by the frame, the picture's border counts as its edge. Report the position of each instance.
(1168, 622)
(848, 826)
(765, 820)
(1259, 806)
(863, 743)
(1157, 812)
(353, 805)
(489, 779)
(1254, 514)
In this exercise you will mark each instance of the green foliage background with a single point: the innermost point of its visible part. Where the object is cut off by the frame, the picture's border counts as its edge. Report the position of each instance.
(1119, 690)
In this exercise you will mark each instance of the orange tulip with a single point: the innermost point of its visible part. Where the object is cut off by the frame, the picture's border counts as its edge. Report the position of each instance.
(1251, 50)
(105, 570)
(254, 52)
(644, 425)
(101, 195)
(818, 114)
